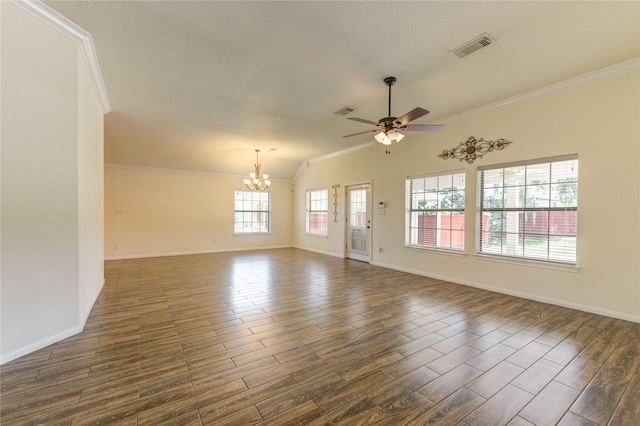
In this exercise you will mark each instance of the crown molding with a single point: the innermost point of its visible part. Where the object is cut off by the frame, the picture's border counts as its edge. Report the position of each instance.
(77, 34)
(146, 169)
(552, 89)
(335, 154)
(166, 171)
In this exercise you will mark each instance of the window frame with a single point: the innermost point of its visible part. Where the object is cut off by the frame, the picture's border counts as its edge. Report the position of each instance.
(410, 226)
(550, 261)
(309, 211)
(243, 211)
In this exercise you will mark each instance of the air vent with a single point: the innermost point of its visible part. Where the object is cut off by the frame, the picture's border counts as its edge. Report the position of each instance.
(344, 111)
(476, 44)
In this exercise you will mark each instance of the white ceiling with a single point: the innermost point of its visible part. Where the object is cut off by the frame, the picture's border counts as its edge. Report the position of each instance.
(199, 85)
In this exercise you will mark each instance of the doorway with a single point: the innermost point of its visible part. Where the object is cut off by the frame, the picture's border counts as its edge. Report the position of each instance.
(358, 228)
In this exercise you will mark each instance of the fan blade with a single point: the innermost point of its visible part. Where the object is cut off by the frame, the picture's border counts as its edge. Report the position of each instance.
(360, 133)
(424, 127)
(412, 115)
(362, 120)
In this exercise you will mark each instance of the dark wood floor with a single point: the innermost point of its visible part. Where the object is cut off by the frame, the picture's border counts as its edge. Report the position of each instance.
(291, 337)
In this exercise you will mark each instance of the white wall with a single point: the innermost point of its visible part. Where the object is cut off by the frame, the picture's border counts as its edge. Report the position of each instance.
(599, 122)
(162, 212)
(48, 233)
(90, 193)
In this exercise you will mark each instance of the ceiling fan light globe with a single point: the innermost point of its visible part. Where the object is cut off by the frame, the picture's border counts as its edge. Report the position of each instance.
(380, 137)
(399, 137)
(386, 141)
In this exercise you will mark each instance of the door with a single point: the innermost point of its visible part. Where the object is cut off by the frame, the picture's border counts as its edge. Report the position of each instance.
(359, 222)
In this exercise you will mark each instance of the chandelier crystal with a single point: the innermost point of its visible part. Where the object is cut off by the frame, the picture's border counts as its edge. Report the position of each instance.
(256, 181)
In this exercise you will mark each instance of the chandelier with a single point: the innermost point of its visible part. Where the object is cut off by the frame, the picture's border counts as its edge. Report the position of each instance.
(256, 181)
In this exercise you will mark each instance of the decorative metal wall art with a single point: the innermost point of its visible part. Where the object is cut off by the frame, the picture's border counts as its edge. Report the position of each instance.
(473, 148)
(335, 202)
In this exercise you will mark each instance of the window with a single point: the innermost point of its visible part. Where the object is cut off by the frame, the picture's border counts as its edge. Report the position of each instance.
(530, 209)
(435, 211)
(317, 211)
(252, 212)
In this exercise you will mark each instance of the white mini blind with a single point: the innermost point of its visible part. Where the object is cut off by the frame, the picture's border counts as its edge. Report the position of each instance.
(435, 211)
(529, 209)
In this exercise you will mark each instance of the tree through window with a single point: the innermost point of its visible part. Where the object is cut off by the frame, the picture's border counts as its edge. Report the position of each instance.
(530, 209)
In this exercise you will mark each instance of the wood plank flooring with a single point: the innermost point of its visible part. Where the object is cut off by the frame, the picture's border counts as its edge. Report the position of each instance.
(286, 336)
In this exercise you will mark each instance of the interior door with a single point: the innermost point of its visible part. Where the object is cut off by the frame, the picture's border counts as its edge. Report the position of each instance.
(359, 222)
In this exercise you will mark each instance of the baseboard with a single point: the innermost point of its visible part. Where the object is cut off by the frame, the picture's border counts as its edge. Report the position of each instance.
(56, 338)
(187, 253)
(41, 344)
(577, 306)
(85, 316)
(328, 253)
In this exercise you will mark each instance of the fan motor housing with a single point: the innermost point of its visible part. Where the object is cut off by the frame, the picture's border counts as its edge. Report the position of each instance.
(390, 123)
(387, 122)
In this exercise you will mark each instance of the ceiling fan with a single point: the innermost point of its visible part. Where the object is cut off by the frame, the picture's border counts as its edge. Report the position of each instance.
(389, 128)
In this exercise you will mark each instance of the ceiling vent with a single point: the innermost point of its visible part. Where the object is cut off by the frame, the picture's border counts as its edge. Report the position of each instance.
(476, 44)
(344, 111)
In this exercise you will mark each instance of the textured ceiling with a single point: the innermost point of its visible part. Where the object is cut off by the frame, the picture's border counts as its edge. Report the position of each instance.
(199, 85)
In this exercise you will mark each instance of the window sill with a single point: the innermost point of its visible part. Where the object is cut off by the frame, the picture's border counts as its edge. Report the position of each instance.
(316, 235)
(240, 234)
(446, 252)
(557, 266)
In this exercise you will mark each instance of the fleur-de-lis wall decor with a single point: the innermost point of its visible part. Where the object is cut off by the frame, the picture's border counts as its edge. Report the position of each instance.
(473, 148)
